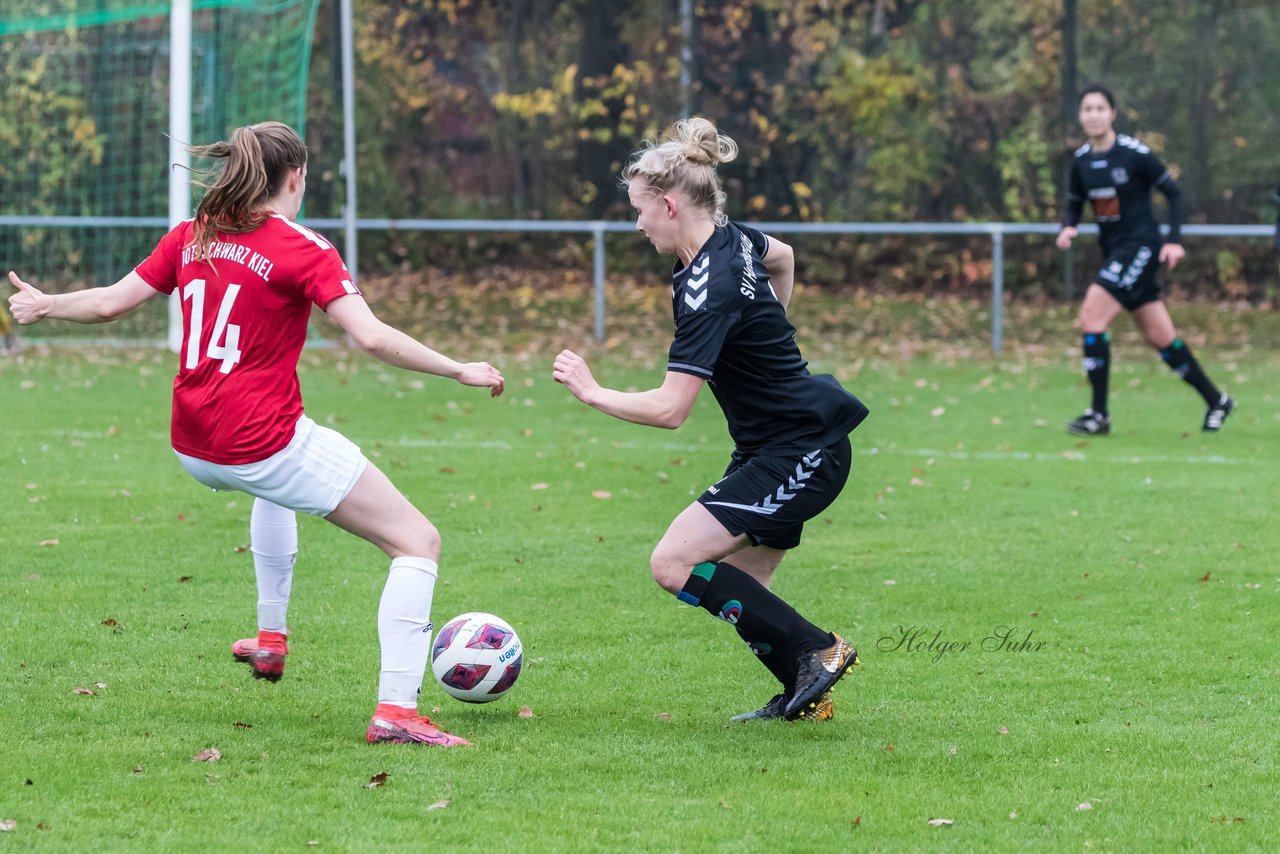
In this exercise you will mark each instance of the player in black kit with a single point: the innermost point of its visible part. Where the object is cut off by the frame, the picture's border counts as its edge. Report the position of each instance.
(730, 288)
(1116, 174)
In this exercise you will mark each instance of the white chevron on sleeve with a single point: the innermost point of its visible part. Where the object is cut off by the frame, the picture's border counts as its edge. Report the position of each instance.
(695, 303)
(706, 260)
(696, 284)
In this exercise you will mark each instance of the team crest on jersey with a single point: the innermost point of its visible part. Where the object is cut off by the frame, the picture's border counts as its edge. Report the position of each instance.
(1120, 175)
(695, 284)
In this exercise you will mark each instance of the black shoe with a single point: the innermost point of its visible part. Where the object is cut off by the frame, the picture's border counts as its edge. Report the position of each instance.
(770, 710)
(1091, 424)
(825, 710)
(819, 671)
(1216, 414)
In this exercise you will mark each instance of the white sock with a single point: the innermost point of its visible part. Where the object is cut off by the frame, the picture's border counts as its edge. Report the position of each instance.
(273, 536)
(404, 629)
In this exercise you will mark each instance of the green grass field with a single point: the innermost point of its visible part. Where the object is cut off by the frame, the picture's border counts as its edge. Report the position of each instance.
(1134, 579)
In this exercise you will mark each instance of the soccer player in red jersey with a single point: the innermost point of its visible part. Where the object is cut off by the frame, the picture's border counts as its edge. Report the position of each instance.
(729, 292)
(247, 276)
(1116, 173)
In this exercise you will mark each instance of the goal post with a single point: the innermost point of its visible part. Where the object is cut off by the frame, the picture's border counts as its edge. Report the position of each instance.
(86, 139)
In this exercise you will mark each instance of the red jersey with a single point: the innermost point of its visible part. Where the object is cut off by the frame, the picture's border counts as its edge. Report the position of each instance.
(244, 319)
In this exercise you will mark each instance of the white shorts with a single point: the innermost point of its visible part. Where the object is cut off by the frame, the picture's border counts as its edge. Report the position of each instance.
(312, 474)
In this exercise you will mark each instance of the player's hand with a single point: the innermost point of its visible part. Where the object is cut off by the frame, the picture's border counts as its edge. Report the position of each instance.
(482, 375)
(572, 372)
(1171, 254)
(1065, 237)
(29, 304)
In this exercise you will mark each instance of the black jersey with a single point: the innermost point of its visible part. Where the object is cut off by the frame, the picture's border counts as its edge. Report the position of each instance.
(1118, 183)
(732, 331)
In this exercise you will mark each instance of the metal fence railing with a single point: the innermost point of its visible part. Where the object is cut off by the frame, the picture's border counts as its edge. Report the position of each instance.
(597, 229)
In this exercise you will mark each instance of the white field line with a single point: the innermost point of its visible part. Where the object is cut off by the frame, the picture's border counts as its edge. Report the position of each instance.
(999, 456)
(1072, 456)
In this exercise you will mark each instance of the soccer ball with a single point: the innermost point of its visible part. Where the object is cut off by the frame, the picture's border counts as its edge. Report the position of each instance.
(476, 657)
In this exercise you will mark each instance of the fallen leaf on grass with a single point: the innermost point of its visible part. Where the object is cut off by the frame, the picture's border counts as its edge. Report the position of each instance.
(138, 769)
(86, 691)
(108, 622)
(100, 685)
(8, 825)
(240, 549)
(1084, 807)
(183, 579)
(663, 716)
(209, 754)
(526, 712)
(539, 485)
(47, 543)
(1205, 577)
(601, 493)
(857, 821)
(376, 780)
(888, 748)
(439, 805)
(941, 822)
(242, 725)
(1004, 730)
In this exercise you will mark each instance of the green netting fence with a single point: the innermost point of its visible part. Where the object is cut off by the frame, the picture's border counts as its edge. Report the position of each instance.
(85, 113)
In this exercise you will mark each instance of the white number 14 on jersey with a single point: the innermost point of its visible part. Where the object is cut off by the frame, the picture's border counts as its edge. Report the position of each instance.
(228, 333)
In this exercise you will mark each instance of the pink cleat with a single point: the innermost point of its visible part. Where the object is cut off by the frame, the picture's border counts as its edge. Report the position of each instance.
(264, 654)
(406, 726)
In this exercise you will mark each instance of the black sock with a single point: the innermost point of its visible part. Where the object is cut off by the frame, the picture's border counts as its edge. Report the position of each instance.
(1178, 357)
(773, 629)
(1097, 365)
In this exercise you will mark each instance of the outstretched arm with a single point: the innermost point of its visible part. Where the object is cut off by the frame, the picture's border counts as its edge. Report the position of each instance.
(93, 305)
(666, 406)
(388, 344)
(780, 261)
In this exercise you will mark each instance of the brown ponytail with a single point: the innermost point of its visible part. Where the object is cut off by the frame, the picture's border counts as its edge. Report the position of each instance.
(258, 159)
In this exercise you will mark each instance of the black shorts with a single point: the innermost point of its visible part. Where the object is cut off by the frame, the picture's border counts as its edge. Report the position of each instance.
(769, 498)
(1129, 274)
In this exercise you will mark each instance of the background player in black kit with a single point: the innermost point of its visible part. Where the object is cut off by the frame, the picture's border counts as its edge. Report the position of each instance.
(1116, 174)
(730, 287)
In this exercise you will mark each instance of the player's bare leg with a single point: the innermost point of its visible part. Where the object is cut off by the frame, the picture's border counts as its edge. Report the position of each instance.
(378, 512)
(697, 560)
(1096, 313)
